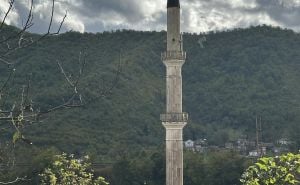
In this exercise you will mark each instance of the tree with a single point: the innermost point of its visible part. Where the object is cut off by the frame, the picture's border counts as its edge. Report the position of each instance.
(280, 170)
(17, 106)
(20, 110)
(68, 170)
(214, 168)
(16, 112)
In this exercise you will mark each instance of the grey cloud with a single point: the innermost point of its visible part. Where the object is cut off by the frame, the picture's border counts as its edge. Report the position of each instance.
(197, 15)
(228, 14)
(287, 13)
(130, 9)
(94, 14)
(216, 15)
(40, 23)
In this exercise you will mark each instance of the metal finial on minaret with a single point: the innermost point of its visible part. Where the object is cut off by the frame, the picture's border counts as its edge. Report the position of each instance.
(174, 119)
(173, 3)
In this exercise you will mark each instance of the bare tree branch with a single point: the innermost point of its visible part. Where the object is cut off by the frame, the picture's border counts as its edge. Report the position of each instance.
(18, 179)
(23, 113)
(20, 39)
(82, 63)
(16, 41)
(10, 76)
(4, 61)
(26, 26)
(11, 3)
(26, 113)
(107, 90)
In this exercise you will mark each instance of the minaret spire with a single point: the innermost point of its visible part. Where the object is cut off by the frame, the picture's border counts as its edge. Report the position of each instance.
(174, 119)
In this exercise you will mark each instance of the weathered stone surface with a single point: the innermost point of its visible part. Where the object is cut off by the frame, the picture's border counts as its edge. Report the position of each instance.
(174, 153)
(173, 36)
(174, 119)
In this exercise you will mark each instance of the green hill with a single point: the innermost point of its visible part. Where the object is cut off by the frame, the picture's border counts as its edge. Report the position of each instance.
(236, 76)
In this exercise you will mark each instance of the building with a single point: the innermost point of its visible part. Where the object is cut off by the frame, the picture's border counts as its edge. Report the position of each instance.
(229, 145)
(284, 141)
(174, 119)
(254, 153)
(189, 144)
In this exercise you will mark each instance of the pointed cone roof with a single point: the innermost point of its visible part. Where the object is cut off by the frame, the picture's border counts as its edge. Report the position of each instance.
(173, 3)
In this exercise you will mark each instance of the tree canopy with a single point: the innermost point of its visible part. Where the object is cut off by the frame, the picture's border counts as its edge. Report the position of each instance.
(68, 170)
(279, 170)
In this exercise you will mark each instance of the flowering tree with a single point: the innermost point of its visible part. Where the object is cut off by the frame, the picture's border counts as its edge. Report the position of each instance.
(68, 170)
(281, 170)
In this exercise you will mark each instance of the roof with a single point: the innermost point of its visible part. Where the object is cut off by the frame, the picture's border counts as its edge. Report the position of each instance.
(173, 3)
(189, 141)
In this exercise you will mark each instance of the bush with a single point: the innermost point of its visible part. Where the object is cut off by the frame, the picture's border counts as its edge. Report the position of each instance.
(281, 170)
(66, 170)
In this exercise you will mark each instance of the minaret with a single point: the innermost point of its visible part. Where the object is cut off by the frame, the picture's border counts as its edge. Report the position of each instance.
(174, 119)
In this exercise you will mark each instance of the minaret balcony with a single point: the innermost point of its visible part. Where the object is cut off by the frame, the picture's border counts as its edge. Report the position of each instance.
(174, 117)
(173, 55)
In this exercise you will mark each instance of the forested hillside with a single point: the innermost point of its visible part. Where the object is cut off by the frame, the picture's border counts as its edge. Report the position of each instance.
(229, 79)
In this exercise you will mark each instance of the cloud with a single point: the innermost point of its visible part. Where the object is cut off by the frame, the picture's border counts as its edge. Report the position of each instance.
(12, 17)
(197, 15)
(285, 13)
(41, 15)
(116, 14)
(205, 15)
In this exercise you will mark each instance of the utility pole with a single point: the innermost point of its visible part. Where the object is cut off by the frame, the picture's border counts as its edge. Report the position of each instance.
(257, 136)
(259, 147)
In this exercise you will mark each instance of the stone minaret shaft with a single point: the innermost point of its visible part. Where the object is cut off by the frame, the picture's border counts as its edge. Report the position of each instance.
(174, 119)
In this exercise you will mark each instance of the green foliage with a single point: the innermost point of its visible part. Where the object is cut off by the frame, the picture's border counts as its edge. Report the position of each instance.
(214, 168)
(147, 167)
(24, 161)
(237, 75)
(68, 170)
(17, 135)
(280, 170)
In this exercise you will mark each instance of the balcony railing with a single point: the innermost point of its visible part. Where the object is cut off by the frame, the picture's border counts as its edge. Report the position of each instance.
(179, 55)
(174, 117)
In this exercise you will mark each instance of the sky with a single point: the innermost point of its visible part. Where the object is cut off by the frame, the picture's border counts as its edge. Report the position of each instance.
(197, 15)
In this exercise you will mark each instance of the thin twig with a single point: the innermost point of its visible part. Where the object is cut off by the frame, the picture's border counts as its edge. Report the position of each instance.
(11, 74)
(11, 3)
(20, 36)
(18, 179)
(3, 61)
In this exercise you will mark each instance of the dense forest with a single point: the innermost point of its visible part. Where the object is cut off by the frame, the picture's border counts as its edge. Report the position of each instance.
(229, 79)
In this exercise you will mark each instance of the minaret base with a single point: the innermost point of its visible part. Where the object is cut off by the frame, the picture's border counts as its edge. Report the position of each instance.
(174, 152)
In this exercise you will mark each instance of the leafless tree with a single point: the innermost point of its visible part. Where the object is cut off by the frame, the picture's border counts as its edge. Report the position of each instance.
(23, 112)
(19, 113)
(21, 39)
